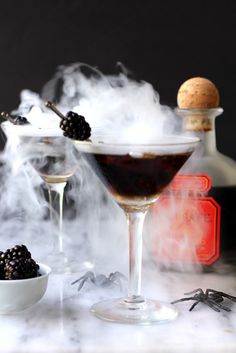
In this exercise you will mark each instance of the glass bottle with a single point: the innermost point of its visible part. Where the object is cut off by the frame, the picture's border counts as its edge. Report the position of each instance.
(200, 203)
(220, 171)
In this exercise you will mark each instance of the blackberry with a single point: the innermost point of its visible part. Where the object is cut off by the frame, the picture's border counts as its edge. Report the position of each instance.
(16, 263)
(16, 252)
(20, 268)
(20, 120)
(75, 126)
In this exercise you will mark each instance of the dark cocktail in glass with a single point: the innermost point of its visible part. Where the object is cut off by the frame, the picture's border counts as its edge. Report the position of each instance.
(136, 175)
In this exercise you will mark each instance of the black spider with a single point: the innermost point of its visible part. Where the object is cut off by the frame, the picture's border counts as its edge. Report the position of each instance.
(211, 297)
(100, 280)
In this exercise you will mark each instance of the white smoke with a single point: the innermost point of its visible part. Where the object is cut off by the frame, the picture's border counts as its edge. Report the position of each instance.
(119, 110)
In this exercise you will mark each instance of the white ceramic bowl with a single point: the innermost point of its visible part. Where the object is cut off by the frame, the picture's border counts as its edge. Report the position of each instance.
(17, 295)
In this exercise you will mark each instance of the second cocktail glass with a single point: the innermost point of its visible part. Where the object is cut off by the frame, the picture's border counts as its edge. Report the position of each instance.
(55, 159)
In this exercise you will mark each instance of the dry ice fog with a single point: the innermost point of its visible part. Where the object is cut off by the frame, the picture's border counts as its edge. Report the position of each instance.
(118, 109)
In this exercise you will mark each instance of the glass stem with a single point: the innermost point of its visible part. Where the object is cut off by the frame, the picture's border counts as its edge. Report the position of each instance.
(56, 209)
(135, 223)
(50, 202)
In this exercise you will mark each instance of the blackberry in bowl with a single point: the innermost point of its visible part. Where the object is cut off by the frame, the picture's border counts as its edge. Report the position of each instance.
(23, 282)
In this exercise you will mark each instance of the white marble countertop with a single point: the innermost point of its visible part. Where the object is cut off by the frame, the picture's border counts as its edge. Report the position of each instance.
(61, 321)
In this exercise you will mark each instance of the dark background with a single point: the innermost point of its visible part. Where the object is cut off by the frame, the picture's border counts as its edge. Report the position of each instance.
(163, 42)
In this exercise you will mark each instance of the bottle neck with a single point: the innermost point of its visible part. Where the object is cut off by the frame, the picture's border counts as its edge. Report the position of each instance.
(201, 123)
(208, 139)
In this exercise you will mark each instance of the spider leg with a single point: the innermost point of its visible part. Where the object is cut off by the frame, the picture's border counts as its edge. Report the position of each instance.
(228, 296)
(195, 291)
(82, 284)
(211, 305)
(208, 290)
(221, 306)
(215, 297)
(116, 277)
(113, 276)
(194, 304)
(182, 300)
(87, 275)
(84, 278)
(222, 294)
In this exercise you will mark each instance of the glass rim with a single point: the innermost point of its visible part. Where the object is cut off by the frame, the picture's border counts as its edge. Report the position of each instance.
(31, 131)
(183, 141)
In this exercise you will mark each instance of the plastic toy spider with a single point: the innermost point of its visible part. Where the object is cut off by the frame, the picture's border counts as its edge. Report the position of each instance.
(211, 297)
(101, 280)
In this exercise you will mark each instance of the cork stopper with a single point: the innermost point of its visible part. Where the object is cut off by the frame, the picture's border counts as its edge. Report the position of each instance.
(198, 93)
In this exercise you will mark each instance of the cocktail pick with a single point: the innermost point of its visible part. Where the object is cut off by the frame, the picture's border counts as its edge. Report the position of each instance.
(8, 117)
(52, 106)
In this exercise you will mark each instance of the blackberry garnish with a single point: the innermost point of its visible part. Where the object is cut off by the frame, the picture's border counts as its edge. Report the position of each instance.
(21, 269)
(20, 120)
(75, 126)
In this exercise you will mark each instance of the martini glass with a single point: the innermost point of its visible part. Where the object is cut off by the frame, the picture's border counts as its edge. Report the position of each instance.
(136, 175)
(55, 159)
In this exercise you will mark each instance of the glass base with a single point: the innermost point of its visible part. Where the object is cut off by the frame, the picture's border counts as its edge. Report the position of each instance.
(145, 312)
